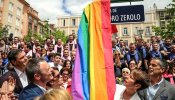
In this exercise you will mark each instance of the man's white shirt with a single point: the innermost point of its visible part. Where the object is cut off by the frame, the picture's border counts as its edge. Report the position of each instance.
(22, 76)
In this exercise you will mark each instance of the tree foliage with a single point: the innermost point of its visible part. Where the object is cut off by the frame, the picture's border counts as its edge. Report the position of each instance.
(46, 34)
(2, 31)
(170, 27)
(60, 34)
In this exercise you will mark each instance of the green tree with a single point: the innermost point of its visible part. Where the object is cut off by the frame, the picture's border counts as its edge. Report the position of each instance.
(46, 30)
(3, 31)
(60, 34)
(27, 37)
(46, 34)
(170, 27)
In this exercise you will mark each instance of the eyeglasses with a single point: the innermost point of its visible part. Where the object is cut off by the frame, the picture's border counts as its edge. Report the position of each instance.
(117, 54)
(132, 63)
(65, 74)
(125, 72)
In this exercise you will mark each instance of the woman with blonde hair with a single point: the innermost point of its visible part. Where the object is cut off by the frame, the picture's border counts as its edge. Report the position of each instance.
(118, 65)
(55, 94)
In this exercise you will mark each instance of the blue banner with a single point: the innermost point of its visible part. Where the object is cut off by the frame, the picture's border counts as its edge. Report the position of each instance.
(133, 13)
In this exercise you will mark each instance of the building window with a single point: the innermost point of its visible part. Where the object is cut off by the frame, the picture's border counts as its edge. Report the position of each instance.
(126, 42)
(162, 23)
(172, 14)
(17, 21)
(125, 31)
(41, 29)
(30, 19)
(10, 17)
(35, 22)
(16, 31)
(73, 22)
(162, 18)
(148, 30)
(1, 3)
(18, 12)
(35, 28)
(11, 6)
(64, 22)
(162, 14)
(136, 30)
(30, 26)
(9, 27)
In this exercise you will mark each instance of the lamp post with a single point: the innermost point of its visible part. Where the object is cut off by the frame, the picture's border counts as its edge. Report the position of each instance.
(140, 31)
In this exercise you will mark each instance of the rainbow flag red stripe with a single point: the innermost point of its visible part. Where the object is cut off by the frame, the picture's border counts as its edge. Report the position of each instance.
(93, 74)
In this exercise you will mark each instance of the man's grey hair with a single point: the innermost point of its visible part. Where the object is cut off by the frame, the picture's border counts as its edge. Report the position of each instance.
(160, 62)
(33, 67)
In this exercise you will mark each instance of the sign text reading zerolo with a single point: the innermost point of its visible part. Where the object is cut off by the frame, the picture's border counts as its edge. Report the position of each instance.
(127, 14)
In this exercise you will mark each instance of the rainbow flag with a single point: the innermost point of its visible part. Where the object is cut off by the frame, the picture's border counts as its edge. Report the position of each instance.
(93, 74)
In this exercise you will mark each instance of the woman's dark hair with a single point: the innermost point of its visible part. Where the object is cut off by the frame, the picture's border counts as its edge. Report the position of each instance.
(65, 69)
(64, 64)
(29, 45)
(133, 60)
(141, 78)
(51, 55)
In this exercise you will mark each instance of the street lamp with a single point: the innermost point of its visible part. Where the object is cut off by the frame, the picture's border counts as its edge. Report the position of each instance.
(140, 31)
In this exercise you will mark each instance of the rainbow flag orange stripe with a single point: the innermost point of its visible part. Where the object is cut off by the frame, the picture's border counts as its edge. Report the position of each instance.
(93, 74)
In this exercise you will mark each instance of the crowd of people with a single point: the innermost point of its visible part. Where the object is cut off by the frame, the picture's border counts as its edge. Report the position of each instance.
(35, 68)
(35, 71)
(144, 70)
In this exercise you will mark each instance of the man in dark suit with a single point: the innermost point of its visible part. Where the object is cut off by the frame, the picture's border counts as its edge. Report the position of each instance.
(39, 73)
(159, 88)
(18, 59)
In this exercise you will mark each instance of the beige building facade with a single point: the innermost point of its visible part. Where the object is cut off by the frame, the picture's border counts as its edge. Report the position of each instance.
(33, 20)
(11, 16)
(19, 17)
(69, 24)
(25, 17)
(126, 31)
(153, 17)
(42, 29)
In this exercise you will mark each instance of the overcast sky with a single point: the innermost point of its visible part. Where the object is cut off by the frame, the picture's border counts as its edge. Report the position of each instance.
(51, 9)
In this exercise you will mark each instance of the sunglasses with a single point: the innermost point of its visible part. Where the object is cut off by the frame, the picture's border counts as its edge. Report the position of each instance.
(117, 54)
(125, 72)
(65, 74)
